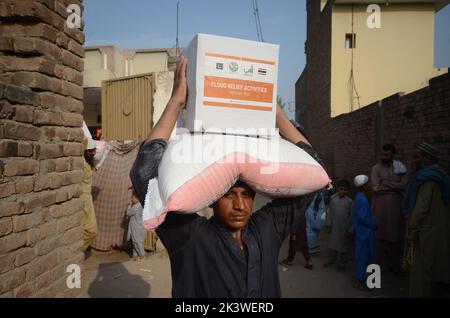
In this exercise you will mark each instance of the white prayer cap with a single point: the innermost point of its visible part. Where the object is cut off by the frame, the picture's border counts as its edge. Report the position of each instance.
(91, 144)
(360, 180)
(86, 131)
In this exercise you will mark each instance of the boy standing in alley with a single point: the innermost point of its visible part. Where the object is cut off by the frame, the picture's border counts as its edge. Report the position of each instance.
(136, 229)
(339, 225)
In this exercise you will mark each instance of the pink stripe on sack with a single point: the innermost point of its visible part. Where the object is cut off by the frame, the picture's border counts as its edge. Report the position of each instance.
(208, 186)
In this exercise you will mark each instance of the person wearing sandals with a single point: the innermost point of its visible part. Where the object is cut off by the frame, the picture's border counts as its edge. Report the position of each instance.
(339, 225)
(136, 229)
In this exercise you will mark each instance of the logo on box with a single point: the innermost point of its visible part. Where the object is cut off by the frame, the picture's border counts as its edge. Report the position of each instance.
(219, 66)
(262, 71)
(234, 67)
(248, 71)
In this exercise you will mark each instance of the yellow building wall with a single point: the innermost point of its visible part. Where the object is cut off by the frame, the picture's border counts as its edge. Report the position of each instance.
(94, 73)
(148, 62)
(397, 57)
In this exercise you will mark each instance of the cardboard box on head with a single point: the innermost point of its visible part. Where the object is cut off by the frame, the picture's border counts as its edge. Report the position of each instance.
(232, 86)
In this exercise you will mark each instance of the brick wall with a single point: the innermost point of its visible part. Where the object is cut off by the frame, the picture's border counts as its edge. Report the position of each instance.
(318, 76)
(404, 120)
(40, 148)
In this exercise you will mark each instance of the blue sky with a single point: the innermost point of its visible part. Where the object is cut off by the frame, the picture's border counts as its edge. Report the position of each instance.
(152, 24)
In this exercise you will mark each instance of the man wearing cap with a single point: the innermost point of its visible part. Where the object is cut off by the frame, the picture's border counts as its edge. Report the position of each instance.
(90, 222)
(365, 226)
(427, 205)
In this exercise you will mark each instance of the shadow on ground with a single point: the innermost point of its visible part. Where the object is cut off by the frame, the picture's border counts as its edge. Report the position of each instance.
(114, 281)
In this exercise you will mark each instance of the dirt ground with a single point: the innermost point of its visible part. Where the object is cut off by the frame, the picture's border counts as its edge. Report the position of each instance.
(115, 276)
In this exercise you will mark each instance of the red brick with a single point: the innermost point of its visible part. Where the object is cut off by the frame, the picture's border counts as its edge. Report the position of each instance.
(68, 192)
(43, 264)
(69, 208)
(72, 235)
(8, 208)
(25, 221)
(46, 246)
(25, 149)
(48, 181)
(24, 185)
(21, 131)
(20, 167)
(25, 290)
(72, 120)
(47, 229)
(75, 106)
(48, 151)
(21, 95)
(23, 114)
(31, 64)
(12, 279)
(6, 189)
(72, 61)
(47, 118)
(76, 48)
(39, 81)
(5, 226)
(76, 163)
(53, 101)
(35, 30)
(73, 149)
(8, 148)
(44, 280)
(47, 166)
(24, 256)
(32, 236)
(69, 74)
(72, 177)
(62, 164)
(26, 45)
(6, 262)
(37, 200)
(11, 242)
(63, 134)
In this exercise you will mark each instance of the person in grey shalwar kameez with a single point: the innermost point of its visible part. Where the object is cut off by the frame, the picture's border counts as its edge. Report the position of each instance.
(136, 229)
(339, 224)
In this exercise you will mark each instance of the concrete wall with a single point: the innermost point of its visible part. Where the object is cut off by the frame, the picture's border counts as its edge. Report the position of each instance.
(41, 163)
(95, 61)
(147, 62)
(398, 57)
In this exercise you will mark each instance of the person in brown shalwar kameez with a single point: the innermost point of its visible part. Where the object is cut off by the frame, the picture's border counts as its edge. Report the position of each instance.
(388, 185)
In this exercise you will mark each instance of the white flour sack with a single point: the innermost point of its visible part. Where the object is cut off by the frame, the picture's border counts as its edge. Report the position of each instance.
(198, 169)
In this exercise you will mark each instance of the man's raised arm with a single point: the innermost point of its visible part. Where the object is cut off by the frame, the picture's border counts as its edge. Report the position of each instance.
(147, 161)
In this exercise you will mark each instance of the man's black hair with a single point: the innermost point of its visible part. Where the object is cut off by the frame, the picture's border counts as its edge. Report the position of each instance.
(389, 147)
(343, 183)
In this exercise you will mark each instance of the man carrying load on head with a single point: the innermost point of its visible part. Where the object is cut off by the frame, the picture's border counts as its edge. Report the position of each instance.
(234, 253)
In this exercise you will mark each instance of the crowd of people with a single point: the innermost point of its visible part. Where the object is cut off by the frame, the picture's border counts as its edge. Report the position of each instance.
(398, 219)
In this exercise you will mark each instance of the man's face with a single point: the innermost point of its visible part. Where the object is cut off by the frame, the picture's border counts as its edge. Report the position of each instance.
(386, 156)
(89, 155)
(420, 160)
(343, 191)
(234, 208)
